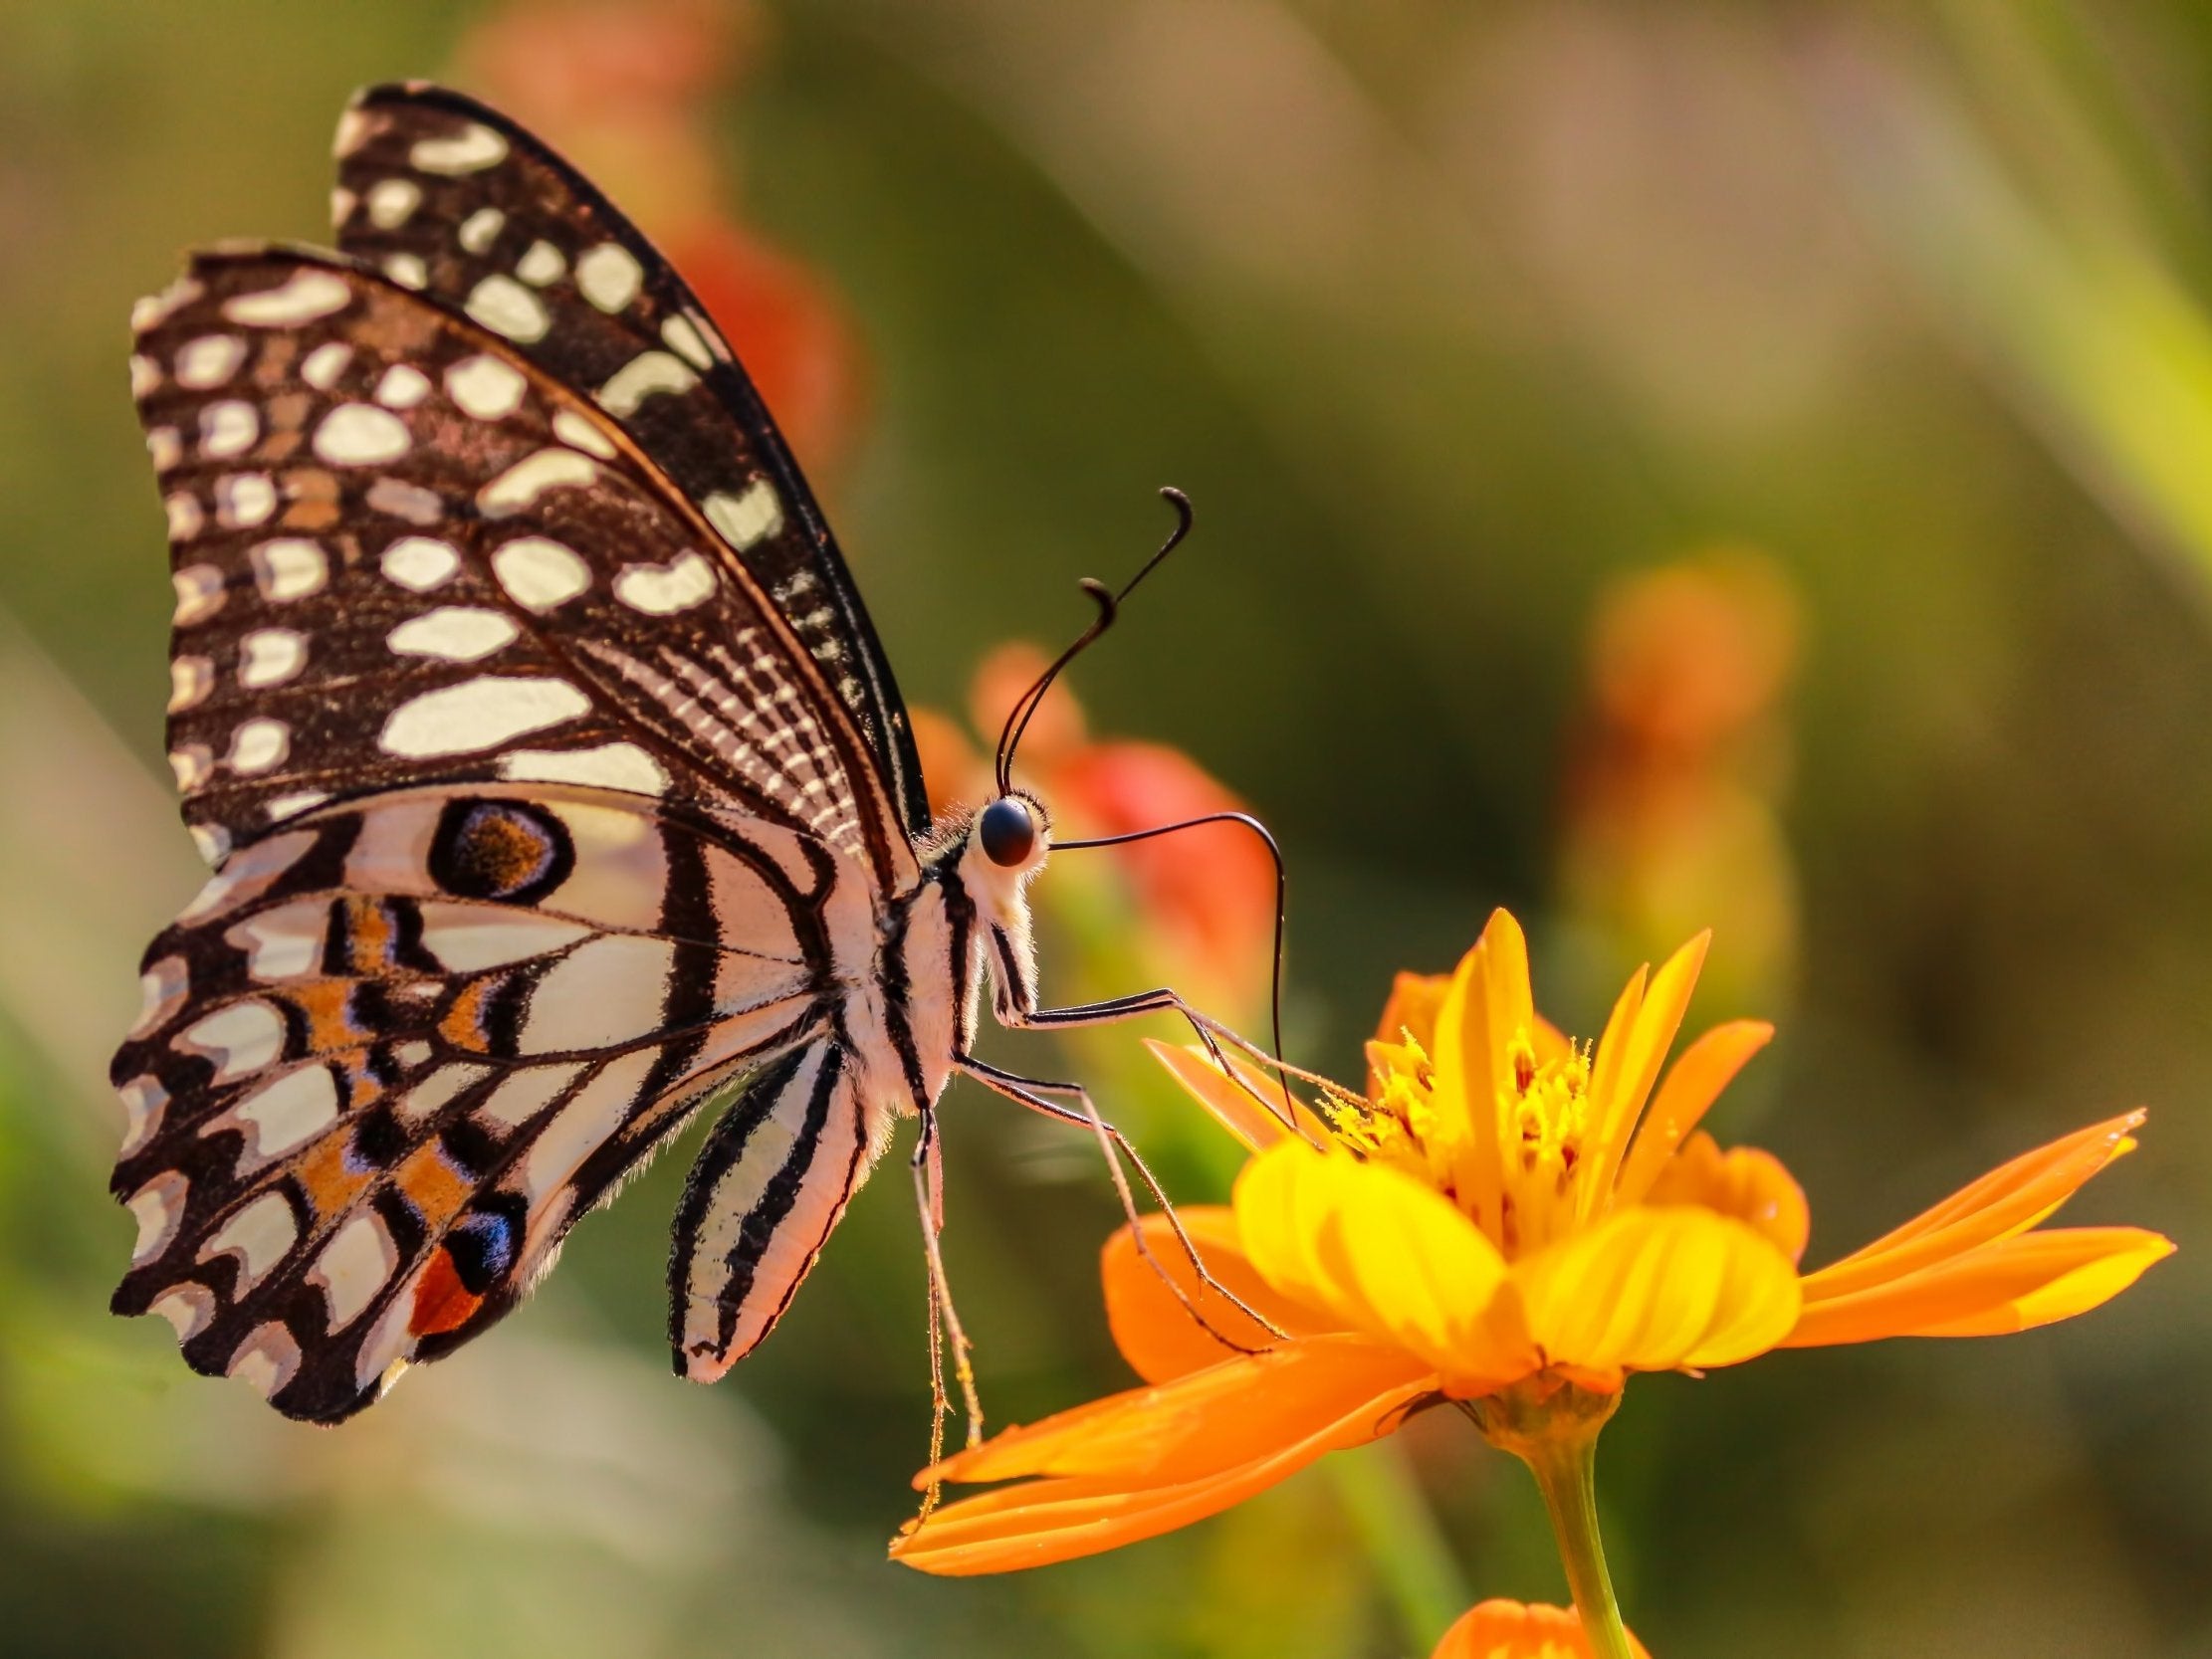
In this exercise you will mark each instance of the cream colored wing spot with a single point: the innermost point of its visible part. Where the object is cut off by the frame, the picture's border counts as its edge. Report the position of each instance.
(685, 581)
(608, 276)
(419, 564)
(484, 387)
(507, 308)
(260, 1236)
(478, 714)
(271, 656)
(305, 296)
(472, 149)
(281, 1117)
(453, 634)
(747, 520)
(159, 1209)
(362, 435)
(207, 361)
(538, 572)
(353, 1267)
(539, 471)
(645, 376)
(289, 568)
(241, 1038)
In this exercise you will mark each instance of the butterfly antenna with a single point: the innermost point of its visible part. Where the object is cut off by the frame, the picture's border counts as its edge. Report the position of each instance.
(1109, 607)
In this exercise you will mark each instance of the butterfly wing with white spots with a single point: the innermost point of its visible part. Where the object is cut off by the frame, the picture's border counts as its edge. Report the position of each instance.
(403, 553)
(449, 196)
(534, 824)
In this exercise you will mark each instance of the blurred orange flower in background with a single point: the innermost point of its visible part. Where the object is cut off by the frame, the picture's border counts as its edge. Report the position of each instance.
(1206, 898)
(1678, 764)
(1519, 1631)
(629, 92)
(1507, 1220)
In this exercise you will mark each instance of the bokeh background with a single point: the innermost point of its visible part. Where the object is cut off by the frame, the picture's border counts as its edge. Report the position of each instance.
(1745, 465)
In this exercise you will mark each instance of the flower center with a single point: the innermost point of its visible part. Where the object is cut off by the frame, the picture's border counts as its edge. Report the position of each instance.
(1543, 1112)
(1547, 1105)
(1540, 1119)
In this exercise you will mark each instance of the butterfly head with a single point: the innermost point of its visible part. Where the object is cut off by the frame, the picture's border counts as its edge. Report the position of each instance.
(1006, 844)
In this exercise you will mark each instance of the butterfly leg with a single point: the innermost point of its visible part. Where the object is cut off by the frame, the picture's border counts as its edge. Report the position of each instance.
(1032, 1093)
(1020, 1014)
(928, 1169)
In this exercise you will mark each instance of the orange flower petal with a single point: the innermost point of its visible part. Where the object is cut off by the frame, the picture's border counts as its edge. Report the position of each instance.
(1161, 1334)
(1198, 1424)
(1247, 1105)
(2009, 1199)
(1383, 1254)
(2010, 1284)
(1414, 1001)
(1623, 1074)
(1695, 1081)
(1226, 1436)
(1519, 1631)
(1653, 1289)
(1613, 1042)
(1745, 1182)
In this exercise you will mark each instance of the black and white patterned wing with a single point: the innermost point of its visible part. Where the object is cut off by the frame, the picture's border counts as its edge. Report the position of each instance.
(453, 198)
(405, 554)
(772, 1181)
(395, 1049)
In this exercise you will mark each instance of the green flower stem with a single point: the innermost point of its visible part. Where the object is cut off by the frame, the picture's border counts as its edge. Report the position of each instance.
(1566, 1473)
(1553, 1426)
(1391, 1514)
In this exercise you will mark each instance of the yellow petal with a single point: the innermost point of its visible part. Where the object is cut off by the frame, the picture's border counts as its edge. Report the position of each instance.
(1510, 1002)
(1625, 1072)
(1247, 1105)
(1651, 1288)
(1695, 1082)
(1383, 1254)
(2010, 1284)
(1745, 1182)
(1165, 1335)
(1465, 1094)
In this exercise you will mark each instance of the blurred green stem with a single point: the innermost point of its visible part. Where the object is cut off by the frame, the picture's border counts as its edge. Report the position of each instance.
(1377, 1487)
(1566, 1473)
(1553, 1427)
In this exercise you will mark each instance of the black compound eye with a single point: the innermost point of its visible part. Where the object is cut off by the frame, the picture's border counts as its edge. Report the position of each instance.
(1008, 832)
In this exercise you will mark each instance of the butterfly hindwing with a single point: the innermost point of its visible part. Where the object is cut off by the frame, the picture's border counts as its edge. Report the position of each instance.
(402, 554)
(451, 197)
(771, 1182)
(393, 1051)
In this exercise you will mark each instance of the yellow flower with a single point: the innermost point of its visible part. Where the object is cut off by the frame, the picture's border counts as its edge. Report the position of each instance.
(1506, 1220)
(1519, 1631)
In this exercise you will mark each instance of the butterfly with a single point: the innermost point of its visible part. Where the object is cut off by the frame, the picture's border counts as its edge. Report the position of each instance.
(554, 780)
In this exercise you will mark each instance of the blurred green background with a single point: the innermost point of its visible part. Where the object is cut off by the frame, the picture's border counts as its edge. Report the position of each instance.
(1747, 464)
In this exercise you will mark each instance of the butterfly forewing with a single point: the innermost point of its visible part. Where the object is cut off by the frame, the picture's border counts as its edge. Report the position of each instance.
(402, 556)
(450, 197)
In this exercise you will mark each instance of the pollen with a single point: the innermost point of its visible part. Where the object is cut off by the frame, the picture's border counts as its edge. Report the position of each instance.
(1548, 1107)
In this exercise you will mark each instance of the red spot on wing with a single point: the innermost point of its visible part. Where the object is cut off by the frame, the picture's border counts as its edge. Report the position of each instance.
(442, 1302)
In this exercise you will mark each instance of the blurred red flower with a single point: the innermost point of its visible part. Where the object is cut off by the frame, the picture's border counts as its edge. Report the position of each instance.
(628, 91)
(1205, 899)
